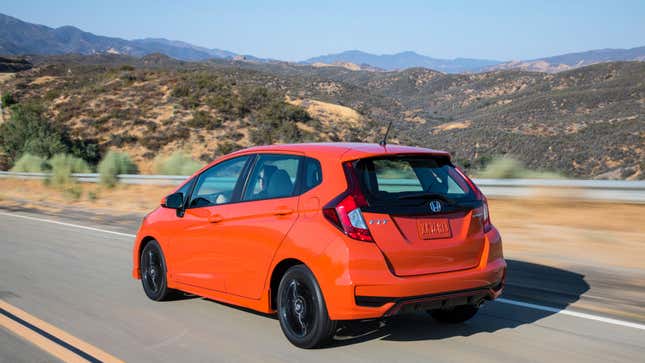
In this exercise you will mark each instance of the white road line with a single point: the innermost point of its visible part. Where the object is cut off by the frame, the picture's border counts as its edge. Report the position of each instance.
(572, 313)
(68, 224)
(501, 300)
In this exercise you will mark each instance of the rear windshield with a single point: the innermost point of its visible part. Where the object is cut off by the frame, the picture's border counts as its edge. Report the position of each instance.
(403, 177)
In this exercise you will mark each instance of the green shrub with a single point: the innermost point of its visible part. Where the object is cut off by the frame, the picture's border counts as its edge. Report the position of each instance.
(8, 99)
(178, 163)
(63, 165)
(87, 149)
(29, 163)
(508, 168)
(29, 131)
(113, 164)
(227, 147)
(202, 120)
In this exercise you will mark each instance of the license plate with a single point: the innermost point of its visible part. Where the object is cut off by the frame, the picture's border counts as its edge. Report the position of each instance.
(433, 228)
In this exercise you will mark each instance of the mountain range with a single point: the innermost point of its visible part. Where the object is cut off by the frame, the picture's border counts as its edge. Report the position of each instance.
(405, 60)
(18, 37)
(568, 61)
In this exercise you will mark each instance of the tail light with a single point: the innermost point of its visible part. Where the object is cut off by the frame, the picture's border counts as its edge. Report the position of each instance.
(486, 215)
(344, 211)
(483, 210)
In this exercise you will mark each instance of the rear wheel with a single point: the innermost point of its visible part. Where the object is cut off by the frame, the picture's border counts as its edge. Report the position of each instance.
(153, 272)
(454, 315)
(301, 309)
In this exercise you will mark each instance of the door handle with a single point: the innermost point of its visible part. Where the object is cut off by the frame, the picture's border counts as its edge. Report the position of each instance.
(282, 211)
(215, 218)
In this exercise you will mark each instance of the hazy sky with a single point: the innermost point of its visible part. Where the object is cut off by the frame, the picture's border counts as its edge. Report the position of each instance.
(295, 30)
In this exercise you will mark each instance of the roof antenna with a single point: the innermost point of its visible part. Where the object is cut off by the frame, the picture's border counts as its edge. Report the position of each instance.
(387, 132)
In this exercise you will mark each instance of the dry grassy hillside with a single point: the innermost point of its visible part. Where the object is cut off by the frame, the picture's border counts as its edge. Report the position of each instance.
(588, 122)
(147, 112)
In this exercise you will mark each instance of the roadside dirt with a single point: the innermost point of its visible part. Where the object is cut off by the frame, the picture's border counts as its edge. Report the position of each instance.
(545, 231)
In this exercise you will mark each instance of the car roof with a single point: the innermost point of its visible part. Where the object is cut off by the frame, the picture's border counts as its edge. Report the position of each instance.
(344, 150)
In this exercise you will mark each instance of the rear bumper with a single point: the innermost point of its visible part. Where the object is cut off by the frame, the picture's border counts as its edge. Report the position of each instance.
(475, 296)
(367, 289)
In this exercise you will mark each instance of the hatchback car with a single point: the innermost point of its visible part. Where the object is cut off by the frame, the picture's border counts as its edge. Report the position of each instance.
(323, 233)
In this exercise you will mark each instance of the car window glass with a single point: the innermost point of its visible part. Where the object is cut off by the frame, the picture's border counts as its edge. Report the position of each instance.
(396, 176)
(216, 185)
(401, 177)
(274, 176)
(312, 174)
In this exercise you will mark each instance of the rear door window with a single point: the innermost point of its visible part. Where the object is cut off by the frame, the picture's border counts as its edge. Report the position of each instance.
(273, 176)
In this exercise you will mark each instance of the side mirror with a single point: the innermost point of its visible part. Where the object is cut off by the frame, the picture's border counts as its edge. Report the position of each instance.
(173, 201)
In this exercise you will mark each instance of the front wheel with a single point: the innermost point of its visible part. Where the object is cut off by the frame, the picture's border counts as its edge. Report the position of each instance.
(454, 315)
(152, 265)
(301, 309)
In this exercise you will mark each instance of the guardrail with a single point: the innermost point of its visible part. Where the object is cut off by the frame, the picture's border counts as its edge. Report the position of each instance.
(592, 190)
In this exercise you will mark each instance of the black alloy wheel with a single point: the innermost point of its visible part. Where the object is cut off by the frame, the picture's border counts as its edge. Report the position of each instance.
(153, 272)
(301, 309)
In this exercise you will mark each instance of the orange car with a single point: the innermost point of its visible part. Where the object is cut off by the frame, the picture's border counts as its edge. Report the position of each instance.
(322, 233)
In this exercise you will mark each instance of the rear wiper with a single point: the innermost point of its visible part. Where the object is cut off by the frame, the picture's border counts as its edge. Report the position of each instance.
(426, 196)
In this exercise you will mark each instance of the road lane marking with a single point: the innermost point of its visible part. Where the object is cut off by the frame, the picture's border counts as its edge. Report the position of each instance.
(50, 338)
(572, 313)
(68, 224)
(501, 300)
(38, 340)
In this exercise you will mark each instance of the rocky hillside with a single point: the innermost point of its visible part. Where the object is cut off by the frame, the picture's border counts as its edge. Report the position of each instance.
(9, 65)
(587, 122)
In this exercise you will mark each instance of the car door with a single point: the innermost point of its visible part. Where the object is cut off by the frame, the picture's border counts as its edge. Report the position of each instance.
(200, 257)
(255, 227)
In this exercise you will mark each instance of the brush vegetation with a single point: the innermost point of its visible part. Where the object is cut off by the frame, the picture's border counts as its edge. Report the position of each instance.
(509, 168)
(29, 163)
(113, 164)
(178, 163)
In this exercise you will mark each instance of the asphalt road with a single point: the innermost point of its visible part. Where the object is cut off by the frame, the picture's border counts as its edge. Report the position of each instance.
(78, 280)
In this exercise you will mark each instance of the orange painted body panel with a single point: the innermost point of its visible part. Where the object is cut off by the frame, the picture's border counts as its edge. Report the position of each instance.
(411, 255)
(228, 252)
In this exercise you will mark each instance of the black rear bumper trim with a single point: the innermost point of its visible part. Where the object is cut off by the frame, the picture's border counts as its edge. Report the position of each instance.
(378, 301)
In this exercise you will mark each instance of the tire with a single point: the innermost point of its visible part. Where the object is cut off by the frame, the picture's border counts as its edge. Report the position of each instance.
(302, 311)
(152, 266)
(454, 315)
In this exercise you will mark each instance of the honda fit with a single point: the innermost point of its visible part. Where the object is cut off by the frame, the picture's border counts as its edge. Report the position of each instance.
(324, 233)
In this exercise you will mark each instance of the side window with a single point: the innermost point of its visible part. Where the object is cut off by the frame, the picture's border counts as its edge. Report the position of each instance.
(274, 176)
(217, 184)
(312, 174)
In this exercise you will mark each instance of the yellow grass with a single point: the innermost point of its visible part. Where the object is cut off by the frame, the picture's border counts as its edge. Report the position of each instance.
(456, 125)
(329, 112)
(42, 80)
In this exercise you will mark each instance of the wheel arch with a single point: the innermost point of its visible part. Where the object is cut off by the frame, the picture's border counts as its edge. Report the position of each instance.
(276, 275)
(137, 258)
(144, 241)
